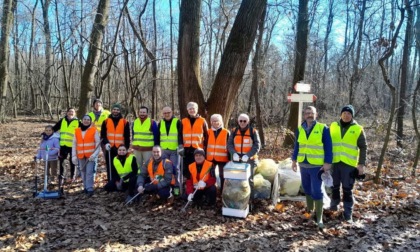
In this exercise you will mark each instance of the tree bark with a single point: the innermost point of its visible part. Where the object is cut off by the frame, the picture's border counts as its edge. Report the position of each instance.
(299, 66)
(90, 69)
(9, 7)
(48, 55)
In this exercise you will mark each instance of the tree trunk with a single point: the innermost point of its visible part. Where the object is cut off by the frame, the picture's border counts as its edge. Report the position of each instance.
(48, 56)
(405, 70)
(90, 69)
(189, 82)
(9, 7)
(299, 67)
(392, 89)
(235, 57)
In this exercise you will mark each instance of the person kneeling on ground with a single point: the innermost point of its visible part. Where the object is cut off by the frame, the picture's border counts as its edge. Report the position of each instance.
(126, 166)
(202, 180)
(156, 177)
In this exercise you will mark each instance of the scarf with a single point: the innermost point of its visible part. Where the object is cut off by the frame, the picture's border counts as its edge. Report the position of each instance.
(45, 136)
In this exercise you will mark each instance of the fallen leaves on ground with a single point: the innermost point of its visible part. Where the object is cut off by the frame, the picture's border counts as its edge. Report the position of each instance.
(386, 215)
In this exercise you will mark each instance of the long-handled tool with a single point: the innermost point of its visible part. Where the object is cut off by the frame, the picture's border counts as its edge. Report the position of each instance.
(181, 174)
(193, 194)
(45, 194)
(109, 165)
(135, 196)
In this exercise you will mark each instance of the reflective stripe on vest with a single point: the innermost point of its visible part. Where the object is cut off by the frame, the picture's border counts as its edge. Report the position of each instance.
(345, 149)
(243, 144)
(204, 170)
(193, 135)
(312, 148)
(168, 141)
(101, 118)
(159, 173)
(115, 135)
(85, 146)
(67, 132)
(217, 147)
(142, 135)
(126, 169)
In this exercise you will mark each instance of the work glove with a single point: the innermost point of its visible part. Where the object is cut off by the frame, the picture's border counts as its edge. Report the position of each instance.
(140, 189)
(74, 160)
(201, 184)
(92, 158)
(108, 146)
(245, 158)
(180, 150)
(235, 157)
(119, 184)
(151, 188)
(190, 197)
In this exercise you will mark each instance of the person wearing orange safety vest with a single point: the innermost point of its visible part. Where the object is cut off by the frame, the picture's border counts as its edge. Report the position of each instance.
(349, 158)
(115, 131)
(217, 151)
(85, 153)
(201, 186)
(156, 177)
(126, 167)
(244, 142)
(145, 133)
(194, 134)
(67, 125)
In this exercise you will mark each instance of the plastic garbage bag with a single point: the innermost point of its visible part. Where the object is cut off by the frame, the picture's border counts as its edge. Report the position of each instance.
(290, 181)
(236, 194)
(267, 168)
(262, 187)
(326, 200)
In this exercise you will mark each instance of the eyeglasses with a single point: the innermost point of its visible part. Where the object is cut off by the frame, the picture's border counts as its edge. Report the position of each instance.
(242, 121)
(166, 113)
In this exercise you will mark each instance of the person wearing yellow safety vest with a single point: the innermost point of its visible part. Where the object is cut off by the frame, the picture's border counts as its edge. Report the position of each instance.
(217, 151)
(66, 125)
(313, 151)
(115, 131)
(156, 177)
(349, 157)
(126, 167)
(194, 134)
(144, 134)
(85, 152)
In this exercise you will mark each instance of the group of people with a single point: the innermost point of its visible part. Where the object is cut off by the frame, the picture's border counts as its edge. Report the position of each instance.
(338, 150)
(146, 157)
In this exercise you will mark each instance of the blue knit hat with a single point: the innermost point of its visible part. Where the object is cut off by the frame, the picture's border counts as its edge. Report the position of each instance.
(348, 108)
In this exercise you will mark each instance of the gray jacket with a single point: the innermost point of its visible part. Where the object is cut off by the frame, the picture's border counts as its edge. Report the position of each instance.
(256, 144)
(163, 182)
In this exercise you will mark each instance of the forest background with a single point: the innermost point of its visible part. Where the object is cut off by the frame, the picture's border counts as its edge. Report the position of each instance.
(230, 57)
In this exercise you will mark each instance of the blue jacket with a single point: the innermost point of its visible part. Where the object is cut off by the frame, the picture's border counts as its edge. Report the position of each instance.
(53, 144)
(326, 140)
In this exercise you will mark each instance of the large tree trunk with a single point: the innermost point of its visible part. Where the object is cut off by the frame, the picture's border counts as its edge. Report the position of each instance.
(405, 70)
(9, 7)
(48, 56)
(90, 69)
(189, 82)
(235, 58)
(300, 64)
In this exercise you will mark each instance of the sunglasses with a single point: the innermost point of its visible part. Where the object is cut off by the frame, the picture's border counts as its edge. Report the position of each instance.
(242, 121)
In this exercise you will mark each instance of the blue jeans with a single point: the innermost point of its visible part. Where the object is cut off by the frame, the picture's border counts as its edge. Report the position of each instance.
(311, 183)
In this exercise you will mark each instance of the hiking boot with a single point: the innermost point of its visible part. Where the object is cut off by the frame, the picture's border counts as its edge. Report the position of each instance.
(348, 218)
(153, 198)
(333, 208)
(170, 199)
(90, 193)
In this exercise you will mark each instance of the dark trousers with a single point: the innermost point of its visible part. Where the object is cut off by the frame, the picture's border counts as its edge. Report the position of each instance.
(65, 151)
(188, 159)
(130, 185)
(221, 165)
(110, 163)
(209, 193)
(342, 176)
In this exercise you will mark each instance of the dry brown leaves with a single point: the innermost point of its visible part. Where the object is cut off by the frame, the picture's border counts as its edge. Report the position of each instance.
(386, 215)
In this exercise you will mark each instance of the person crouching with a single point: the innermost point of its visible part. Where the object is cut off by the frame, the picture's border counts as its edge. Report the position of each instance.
(202, 180)
(126, 166)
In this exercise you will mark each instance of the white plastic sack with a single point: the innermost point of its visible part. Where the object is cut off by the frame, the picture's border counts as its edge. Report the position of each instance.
(290, 181)
(267, 168)
(236, 194)
(326, 200)
(262, 187)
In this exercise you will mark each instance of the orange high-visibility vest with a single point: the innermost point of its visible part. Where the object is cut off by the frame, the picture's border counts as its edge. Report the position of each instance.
(204, 171)
(85, 146)
(243, 144)
(115, 135)
(160, 171)
(217, 147)
(193, 135)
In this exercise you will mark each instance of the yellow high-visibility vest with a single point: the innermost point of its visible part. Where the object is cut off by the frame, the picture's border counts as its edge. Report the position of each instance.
(312, 148)
(345, 149)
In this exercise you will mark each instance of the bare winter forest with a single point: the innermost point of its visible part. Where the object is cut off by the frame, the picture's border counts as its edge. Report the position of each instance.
(229, 56)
